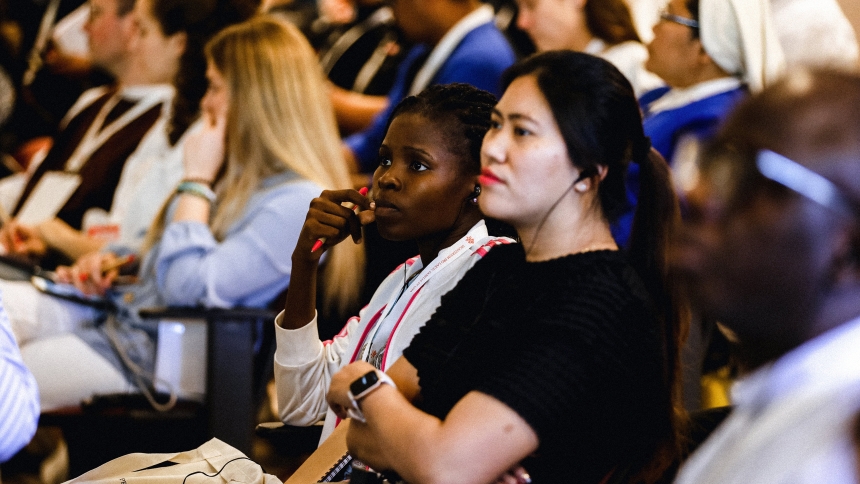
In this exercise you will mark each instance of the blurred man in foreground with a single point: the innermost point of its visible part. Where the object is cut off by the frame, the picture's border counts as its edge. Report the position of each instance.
(771, 248)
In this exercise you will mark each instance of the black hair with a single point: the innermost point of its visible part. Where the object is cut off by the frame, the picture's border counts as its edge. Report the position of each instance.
(462, 110)
(124, 7)
(199, 20)
(693, 7)
(597, 115)
(599, 119)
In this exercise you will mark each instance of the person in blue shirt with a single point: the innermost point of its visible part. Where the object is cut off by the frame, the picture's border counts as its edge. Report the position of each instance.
(219, 241)
(709, 60)
(710, 53)
(457, 41)
(19, 397)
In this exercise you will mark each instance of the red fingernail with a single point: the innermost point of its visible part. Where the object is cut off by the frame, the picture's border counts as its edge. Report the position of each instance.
(317, 245)
(363, 191)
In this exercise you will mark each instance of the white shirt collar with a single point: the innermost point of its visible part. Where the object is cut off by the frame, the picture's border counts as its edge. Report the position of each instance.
(595, 46)
(476, 233)
(141, 91)
(447, 44)
(818, 365)
(678, 97)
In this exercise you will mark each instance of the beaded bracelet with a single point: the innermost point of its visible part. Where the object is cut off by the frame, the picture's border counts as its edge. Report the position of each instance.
(197, 189)
(202, 181)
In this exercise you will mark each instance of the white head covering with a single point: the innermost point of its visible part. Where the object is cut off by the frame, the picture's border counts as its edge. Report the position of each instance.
(740, 38)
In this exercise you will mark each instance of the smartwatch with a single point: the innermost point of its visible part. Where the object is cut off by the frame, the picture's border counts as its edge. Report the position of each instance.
(362, 387)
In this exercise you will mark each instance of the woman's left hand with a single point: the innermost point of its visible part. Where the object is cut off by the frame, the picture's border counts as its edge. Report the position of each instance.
(338, 392)
(87, 274)
(204, 150)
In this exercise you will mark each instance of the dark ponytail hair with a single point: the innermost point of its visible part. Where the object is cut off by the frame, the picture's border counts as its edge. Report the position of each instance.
(199, 20)
(599, 119)
(461, 110)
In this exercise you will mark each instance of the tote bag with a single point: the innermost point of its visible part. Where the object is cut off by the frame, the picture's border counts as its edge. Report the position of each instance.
(212, 462)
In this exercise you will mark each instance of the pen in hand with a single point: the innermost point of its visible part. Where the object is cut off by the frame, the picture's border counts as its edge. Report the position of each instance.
(320, 241)
(126, 259)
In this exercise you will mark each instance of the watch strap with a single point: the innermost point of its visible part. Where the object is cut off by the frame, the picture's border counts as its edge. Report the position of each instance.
(381, 378)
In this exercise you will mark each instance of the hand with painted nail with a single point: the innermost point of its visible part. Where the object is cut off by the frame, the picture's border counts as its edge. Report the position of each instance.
(355, 208)
(333, 216)
(88, 274)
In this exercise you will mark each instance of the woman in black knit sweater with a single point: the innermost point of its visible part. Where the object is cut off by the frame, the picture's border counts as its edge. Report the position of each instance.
(557, 357)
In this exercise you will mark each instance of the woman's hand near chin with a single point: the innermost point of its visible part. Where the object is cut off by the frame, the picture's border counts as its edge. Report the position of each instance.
(328, 220)
(333, 216)
(204, 151)
(203, 156)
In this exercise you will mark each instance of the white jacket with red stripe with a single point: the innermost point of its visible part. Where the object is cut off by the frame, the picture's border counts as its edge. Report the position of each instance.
(304, 365)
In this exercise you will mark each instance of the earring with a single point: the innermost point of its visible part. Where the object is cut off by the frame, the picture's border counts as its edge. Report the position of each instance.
(475, 193)
(581, 187)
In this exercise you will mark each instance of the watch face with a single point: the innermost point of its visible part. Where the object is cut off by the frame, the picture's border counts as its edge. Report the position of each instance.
(363, 383)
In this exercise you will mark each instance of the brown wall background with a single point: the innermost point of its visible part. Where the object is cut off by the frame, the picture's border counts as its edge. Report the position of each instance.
(852, 11)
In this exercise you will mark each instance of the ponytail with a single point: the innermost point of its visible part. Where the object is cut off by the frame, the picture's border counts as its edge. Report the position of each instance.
(599, 119)
(657, 216)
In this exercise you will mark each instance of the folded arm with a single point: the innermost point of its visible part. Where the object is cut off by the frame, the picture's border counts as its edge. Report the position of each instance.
(479, 440)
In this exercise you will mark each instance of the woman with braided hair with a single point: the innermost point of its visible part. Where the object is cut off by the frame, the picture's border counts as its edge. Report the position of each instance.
(425, 189)
(558, 354)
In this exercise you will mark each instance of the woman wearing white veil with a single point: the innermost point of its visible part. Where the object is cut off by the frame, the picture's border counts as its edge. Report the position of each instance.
(711, 53)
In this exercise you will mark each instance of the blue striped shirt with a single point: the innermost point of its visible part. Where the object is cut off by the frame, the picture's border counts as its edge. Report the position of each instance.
(19, 397)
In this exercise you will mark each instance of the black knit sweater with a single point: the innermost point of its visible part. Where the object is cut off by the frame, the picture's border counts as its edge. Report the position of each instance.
(571, 344)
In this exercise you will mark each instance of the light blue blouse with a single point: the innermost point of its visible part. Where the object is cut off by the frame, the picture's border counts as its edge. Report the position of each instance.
(189, 267)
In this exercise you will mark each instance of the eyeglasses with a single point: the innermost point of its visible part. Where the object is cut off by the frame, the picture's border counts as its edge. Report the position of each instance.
(804, 181)
(670, 17)
(734, 181)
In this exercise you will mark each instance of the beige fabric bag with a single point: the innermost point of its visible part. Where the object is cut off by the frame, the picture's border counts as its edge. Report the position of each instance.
(209, 458)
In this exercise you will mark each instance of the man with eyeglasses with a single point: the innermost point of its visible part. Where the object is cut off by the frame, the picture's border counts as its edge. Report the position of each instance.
(771, 248)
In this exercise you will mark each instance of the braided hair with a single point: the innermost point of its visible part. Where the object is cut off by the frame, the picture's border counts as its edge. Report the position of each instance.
(461, 110)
